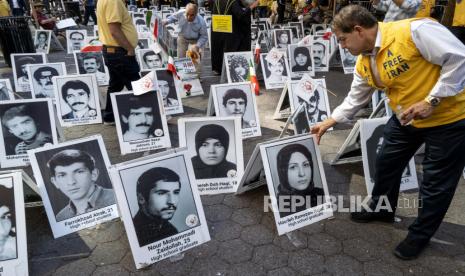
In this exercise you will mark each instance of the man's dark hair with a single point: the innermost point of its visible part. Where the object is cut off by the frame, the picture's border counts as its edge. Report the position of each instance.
(17, 111)
(130, 101)
(150, 53)
(234, 93)
(85, 56)
(352, 15)
(148, 180)
(76, 32)
(23, 60)
(140, 22)
(38, 72)
(74, 84)
(168, 77)
(68, 157)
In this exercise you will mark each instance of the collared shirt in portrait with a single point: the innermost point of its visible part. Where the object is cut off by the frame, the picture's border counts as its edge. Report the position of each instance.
(100, 198)
(150, 229)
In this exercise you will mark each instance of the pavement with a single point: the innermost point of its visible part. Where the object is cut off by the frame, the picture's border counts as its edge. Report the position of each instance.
(244, 237)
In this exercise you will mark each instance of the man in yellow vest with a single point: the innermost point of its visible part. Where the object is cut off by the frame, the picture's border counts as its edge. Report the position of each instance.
(458, 21)
(421, 67)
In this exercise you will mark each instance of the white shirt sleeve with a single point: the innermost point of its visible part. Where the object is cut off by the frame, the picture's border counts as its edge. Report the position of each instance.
(439, 46)
(359, 95)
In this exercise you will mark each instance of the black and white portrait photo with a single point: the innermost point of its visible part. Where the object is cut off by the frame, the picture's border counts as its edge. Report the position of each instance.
(143, 43)
(139, 120)
(215, 151)
(237, 65)
(169, 92)
(26, 125)
(265, 41)
(300, 28)
(348, 60)
(315, 104)
(41, 78)
(318, 29)
(13, 245)
(238, 100)
(92, 63)
(74, 183)
(159, 200)
(254, 36)
(294, 173)
(320, 55)
(276, 73)
(371, 136)
(6, 90)
(42, 41)
(75, 40)
(300, 58)
(282, 38)
(149, 60)
(77, 100)
(19, 62)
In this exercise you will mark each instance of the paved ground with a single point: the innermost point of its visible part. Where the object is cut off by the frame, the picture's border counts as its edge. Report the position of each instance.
(244, 237)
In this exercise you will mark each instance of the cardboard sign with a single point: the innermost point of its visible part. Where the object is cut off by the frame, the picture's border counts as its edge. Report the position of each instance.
(222, 23)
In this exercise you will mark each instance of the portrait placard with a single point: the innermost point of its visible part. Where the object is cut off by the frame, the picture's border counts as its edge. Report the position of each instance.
(371, 138)
(238, 65)
(13, 259)
(300, 61)
(42, 41)
(316, 104)
(140, 122)
(319, 28)
(149, 60)
(41, 75)
(92, 63)
(169, 91)
(26, 125)
(75, 40)
(275, 74)
(296, 182)
(320, 49)
(348, 60)
(160, 193)
(19, 62)
(77, 100)
(6, 91)
(214, 146)
(237, 99)
(282, 38)
(74, 184)
(190, 88)
(283, 108)
(300, 28)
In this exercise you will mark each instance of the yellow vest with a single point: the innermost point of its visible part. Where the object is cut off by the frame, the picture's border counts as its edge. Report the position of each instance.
(425, 8)
(459, 14)
(408, 77)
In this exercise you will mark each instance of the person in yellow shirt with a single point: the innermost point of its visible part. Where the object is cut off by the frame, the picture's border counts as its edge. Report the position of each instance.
(4, 8)
(458, 21)
(425, 8)
(421, 66)
(119, 38)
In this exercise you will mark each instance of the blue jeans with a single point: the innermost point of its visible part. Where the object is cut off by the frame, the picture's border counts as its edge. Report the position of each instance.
(123, 69)
(442, 168)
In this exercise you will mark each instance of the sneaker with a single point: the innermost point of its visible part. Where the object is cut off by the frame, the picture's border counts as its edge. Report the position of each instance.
(365, 216)
(409, 249)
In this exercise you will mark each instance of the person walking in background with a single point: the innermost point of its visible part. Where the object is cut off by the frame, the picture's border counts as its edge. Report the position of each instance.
(89, 11)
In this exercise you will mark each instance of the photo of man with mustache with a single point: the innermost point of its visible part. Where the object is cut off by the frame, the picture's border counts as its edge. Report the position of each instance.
(92, 63)
(158, 192)
(138, 117)
(19, 121)
(76, 94)
(43, 77)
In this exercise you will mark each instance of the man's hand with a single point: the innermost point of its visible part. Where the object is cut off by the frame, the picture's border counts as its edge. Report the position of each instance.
(321, 128)
(420, 110)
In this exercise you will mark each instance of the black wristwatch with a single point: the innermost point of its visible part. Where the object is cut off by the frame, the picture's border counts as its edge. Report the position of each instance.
(433, 101)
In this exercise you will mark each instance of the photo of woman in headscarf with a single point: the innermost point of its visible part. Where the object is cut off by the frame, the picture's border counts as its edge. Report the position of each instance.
(7, 224)
(238, 68)
(211, 145)
(296, 178)
(302, 61)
